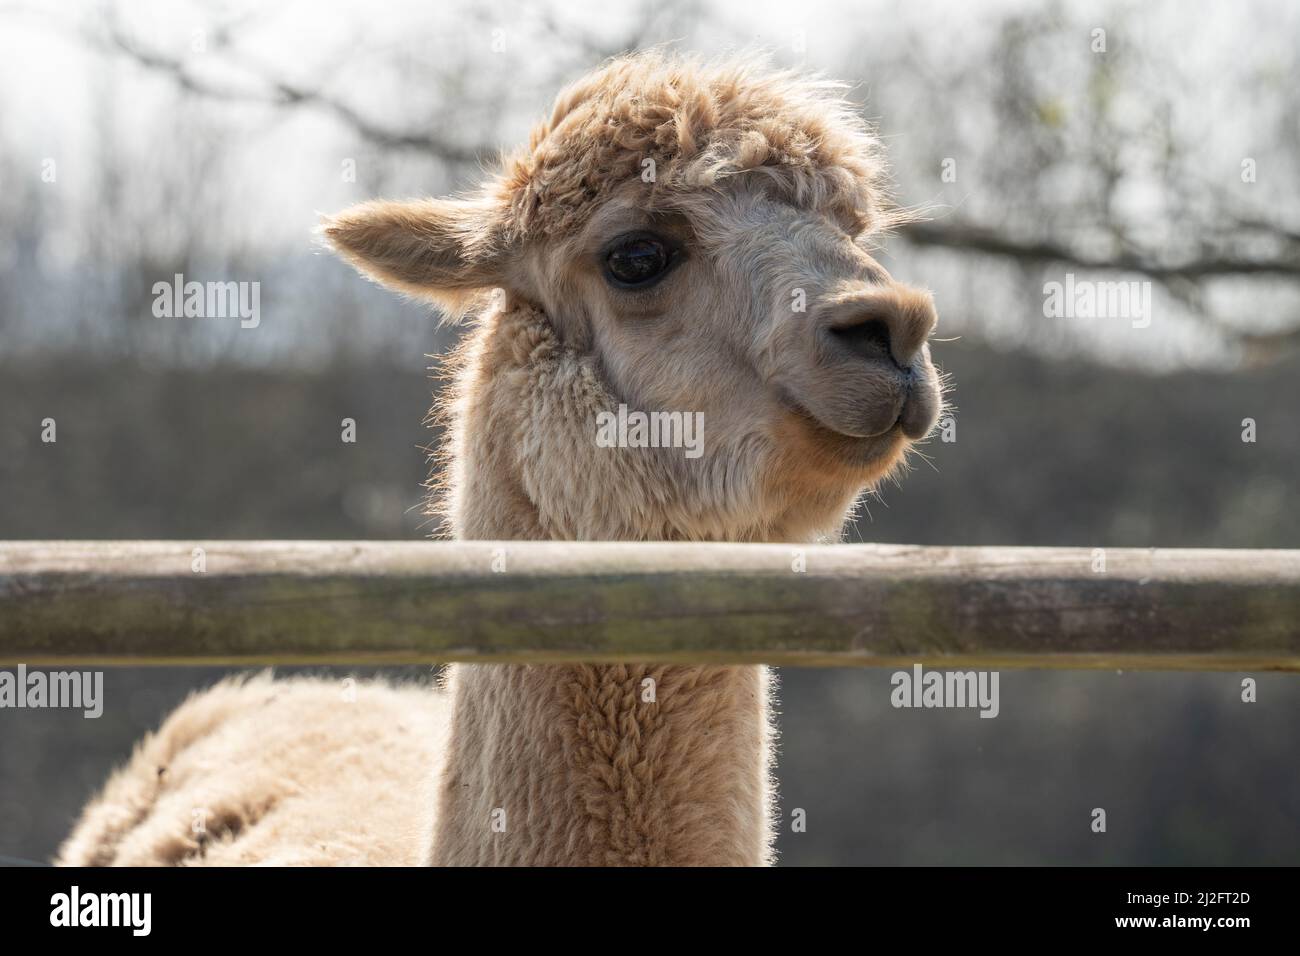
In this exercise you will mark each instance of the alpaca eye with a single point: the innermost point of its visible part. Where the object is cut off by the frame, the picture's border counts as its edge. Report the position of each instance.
(637, 261)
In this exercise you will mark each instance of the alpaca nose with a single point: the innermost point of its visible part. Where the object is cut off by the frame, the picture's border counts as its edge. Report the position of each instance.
(890, 324)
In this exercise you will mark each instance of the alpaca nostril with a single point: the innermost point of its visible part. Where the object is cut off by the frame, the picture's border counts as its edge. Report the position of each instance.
(869, 339)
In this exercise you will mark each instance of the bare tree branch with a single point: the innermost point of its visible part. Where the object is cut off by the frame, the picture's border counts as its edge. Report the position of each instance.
(279, 92)
(977, 239)
(1182, 280)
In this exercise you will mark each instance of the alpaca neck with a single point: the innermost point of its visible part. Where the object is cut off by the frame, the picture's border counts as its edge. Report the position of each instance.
(585, 764)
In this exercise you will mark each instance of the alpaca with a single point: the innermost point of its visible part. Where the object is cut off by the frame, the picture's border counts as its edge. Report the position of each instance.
(679, 236)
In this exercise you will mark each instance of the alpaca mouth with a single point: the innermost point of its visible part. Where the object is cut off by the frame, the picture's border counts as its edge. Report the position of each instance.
(880, 430)
(857, 449)
(919, 410)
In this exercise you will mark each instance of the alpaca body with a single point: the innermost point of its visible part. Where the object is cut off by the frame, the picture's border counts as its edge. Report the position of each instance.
(274, 772)
(305, 772)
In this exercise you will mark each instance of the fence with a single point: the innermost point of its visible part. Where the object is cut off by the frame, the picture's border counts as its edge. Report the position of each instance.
(251, 602)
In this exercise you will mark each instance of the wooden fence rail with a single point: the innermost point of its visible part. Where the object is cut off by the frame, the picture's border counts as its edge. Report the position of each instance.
(249, 602)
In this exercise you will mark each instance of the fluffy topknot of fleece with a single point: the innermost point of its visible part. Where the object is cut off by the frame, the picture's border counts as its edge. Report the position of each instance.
(700, 122)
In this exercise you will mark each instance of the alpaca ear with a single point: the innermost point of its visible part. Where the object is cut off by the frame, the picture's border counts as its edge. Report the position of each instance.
(444, 250)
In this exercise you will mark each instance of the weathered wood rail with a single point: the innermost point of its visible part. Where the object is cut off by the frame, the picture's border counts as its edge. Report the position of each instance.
(133, 603)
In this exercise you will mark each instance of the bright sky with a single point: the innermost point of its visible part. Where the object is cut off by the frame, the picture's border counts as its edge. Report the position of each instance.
(260, 175)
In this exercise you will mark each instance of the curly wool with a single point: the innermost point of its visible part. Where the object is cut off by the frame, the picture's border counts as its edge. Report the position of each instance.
(698, 122)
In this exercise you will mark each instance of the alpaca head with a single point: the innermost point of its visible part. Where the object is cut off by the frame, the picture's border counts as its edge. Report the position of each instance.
(701, 230)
